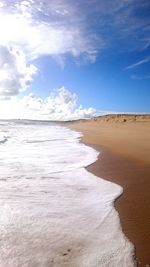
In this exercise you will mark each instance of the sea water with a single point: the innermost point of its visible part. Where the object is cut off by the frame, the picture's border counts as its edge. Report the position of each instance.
(53, 212)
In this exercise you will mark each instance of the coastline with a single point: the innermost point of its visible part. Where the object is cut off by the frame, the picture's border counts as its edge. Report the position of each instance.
(131, 205)
(122, 165)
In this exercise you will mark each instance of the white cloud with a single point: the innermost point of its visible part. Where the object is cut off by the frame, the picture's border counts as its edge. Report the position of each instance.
(40, 33)
(60, 105)
(141, 62)
(15, 76)
(31, 29)
(1, 4)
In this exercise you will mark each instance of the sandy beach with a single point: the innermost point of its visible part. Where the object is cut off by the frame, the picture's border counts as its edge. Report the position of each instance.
(124, 145)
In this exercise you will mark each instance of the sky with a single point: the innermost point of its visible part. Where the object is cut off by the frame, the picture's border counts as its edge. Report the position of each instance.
(66, 59)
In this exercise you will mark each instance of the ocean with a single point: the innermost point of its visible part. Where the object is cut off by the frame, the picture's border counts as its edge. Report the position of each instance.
(53, 212)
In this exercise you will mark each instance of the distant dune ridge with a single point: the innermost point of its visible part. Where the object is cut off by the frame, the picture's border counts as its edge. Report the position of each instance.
(118, 118)
(123, 118)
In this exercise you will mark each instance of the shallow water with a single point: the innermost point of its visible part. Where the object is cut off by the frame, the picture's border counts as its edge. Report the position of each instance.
(53, 212)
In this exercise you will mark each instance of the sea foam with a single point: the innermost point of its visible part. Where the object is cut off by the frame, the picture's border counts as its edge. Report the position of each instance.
(53, 212)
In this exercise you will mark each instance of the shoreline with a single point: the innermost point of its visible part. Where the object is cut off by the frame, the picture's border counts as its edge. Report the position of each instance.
(110, 167)
(132, 173)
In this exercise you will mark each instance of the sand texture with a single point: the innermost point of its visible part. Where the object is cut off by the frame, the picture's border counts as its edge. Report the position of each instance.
(124, 143)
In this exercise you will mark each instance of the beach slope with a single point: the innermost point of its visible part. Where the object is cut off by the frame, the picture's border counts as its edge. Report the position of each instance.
(124, 145)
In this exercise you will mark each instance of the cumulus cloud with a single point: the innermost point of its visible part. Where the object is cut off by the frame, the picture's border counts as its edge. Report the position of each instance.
(31, 29)
(15, 75)
(60, 105)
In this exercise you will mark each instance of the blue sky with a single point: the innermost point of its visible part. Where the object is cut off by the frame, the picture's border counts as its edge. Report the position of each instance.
(69, 59)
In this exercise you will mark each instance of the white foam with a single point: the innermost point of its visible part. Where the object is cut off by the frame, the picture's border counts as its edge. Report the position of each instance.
(52, 211)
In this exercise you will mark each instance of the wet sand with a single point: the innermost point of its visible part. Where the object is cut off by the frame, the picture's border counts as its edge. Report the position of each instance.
(125, 159)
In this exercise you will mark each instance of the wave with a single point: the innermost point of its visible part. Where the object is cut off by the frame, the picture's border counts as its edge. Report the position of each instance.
(52, 207)
(3, 139)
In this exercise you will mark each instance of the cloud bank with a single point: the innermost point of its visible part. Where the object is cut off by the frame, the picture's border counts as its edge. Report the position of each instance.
(45, 28)
(60, 105)
(30, 29)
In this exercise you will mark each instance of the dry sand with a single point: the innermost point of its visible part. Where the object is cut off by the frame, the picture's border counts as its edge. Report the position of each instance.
(124, 143)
